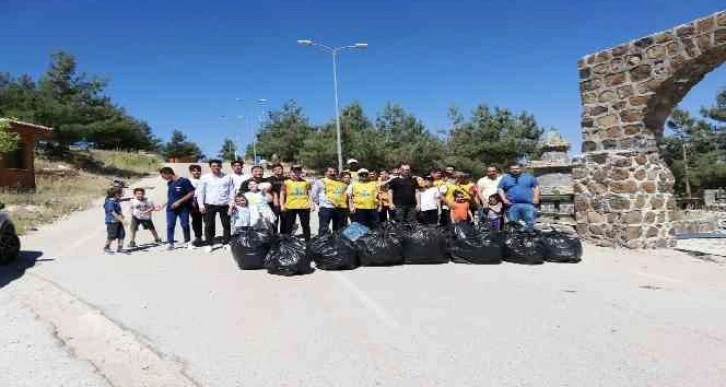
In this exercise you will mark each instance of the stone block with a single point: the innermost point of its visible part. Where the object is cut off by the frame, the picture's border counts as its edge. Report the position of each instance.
(620, 50)
(652, 232)
(634, 244)
(685, 30)
(649, 217)
(594, 217)
(587, 123)
(610, 144)
(656, 52)
(632, 217)
(607, 121)
(644, 42)
(613, 132)
(601, 69)
(671, 204)
(720, 18)
(607, 96)
(634, 60)
(649, 86)
(579, 173)
(664, 37)
(589, 146)
(619, 105)
(704, 42)
(585, 73)
(596, 110)
(617, 65)
(581, 204)
(625, 91)
(640, 73)
(633, 232)
(597, 158)
(603, 56)
(590, 85)
(620, 161)
(632, 115)
(619, 203)
(630, 130)
(623, 187)
(589, 98)
(657, 202)
(639, 202)
(648, 186)
(597, 188)
(639, 174)
(719, 37)
(595, 229)
(673, 49)
(639, 100)
(581, 228)
(706, 25)
(615, 79)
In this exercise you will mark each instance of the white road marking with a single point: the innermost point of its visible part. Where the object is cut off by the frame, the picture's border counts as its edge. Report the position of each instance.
(658, 277)
(367, 301)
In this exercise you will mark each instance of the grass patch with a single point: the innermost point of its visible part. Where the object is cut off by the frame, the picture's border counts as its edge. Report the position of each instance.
(65, 186)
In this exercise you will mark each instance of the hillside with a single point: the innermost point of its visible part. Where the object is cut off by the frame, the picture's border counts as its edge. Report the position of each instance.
(73, 183)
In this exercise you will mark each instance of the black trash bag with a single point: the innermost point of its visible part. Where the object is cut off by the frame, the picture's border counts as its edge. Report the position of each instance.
(561, 247)
(333, 252)
(380, 248)
(524, 247)
(475, 245)
(250, 246)
(288, 257)
(423, 244)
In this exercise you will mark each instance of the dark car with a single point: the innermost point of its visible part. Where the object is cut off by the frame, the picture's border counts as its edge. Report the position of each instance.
(9, 241)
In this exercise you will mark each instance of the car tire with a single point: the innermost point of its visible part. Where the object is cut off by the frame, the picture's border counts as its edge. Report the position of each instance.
(9, 246)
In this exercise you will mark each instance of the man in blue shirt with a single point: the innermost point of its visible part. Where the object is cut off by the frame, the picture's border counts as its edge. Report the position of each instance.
(178, 205)
(520, 193)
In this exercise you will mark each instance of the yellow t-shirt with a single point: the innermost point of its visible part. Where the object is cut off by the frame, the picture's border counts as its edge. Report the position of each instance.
(335, 192)
(463, 188)
(296, 194)
(365, 195)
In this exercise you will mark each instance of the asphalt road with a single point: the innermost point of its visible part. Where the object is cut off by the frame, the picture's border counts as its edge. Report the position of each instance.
(619, 318)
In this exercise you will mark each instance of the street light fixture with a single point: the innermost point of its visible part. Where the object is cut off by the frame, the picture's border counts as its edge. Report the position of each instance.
(334, 51)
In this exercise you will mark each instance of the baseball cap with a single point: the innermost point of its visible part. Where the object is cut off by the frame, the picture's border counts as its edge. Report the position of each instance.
(363, 171)
(351, 161)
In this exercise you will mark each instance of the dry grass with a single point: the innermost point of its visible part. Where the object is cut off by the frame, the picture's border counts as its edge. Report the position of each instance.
(64, 186)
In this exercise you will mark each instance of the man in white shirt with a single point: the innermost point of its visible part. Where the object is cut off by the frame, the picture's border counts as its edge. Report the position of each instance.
(195, 172)
(238, 176)
(215, 195)
(488, 186)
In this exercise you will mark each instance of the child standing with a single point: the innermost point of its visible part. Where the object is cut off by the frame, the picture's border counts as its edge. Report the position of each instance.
(240, 213)
(258, 202)
(460, 210)
(141, 209)
(494, 215)
(114, 220)
(428, 202)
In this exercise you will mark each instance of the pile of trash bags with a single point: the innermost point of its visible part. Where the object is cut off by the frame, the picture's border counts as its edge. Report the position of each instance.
(260, 247)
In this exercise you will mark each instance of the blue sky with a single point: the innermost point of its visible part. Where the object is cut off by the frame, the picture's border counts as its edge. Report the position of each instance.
(183, 64)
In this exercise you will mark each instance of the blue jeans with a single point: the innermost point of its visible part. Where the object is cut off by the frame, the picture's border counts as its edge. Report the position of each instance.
(525, 212)
(183, 214)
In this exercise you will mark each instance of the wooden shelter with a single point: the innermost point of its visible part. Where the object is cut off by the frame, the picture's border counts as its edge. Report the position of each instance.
(17, 168)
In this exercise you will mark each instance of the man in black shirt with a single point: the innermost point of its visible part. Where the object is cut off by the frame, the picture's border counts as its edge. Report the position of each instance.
(256, 177)
(402, 191)
(276, 180)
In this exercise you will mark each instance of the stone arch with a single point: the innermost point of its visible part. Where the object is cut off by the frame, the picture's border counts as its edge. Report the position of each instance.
(624, 190)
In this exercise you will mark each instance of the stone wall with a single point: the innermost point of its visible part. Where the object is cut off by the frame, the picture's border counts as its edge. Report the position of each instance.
(624, 190)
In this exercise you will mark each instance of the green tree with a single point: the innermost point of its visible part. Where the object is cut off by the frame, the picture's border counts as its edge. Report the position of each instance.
(74, 104)
(179, 147)
(403, 138)
(8, 140)
(228, 152)
(695, 148)
(491, 137)
(283, 133)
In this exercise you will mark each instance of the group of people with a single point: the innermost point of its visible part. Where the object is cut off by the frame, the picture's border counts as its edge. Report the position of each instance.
(356, 194)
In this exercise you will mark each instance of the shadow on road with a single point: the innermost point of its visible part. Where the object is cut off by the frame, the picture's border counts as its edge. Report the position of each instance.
(15, 270)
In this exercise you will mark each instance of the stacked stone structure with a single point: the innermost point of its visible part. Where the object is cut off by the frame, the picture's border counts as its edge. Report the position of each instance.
(624, 190)
(554, 174)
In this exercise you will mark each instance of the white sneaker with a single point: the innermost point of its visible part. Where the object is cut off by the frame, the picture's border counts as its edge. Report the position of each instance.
(190, 246)
(208, 249)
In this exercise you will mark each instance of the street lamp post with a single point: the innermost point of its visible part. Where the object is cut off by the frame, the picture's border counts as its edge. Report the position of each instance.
(334, 51)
